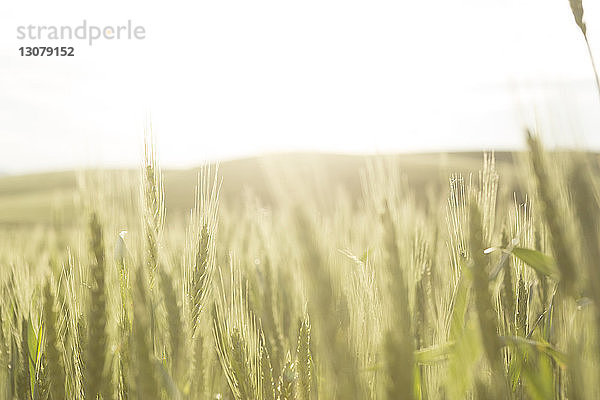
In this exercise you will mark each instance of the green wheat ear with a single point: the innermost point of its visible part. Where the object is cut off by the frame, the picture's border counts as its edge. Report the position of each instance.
(508, 291)
(5, 356)
(56, 371)
(200, 276)
(143, 368)
(175, 325)
(398, 343)
(550, 208)
(286, 386)
(577, 9)
(24, 377)
(303, 361)
(240, 365)
(97, 383)
(153, 207)
(483, 302)
(268, 385)
(325, 309)
(237, 338)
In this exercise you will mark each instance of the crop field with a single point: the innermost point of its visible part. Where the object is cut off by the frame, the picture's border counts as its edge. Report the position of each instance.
(479, 285)
(306, 276)
(45, 198)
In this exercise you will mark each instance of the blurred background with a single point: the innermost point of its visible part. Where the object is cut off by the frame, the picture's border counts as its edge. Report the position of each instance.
(229, 79)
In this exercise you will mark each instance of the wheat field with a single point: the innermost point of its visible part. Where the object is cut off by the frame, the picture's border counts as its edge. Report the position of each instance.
(473, 290)
(388, 295)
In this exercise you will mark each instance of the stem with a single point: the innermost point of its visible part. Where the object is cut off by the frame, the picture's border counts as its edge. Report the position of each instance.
(589, 49)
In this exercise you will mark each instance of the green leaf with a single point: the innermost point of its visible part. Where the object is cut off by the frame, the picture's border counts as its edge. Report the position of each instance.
(34, 345)
(539, 381)
(433, 354)
(38, 351)
(541, 347)
(535, 371)
(32, 342)
(417, 388)
(514, 371)
(32, 350)
(539, 261)
(167, 380)
(460, 302)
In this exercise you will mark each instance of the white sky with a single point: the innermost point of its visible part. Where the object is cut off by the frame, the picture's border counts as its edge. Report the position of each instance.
(224, 79)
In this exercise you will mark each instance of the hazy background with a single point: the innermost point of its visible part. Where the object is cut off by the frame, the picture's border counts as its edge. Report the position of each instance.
(224, 79)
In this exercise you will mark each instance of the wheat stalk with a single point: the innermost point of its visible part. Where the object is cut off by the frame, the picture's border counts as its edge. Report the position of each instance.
(97, 382)
(53, 352)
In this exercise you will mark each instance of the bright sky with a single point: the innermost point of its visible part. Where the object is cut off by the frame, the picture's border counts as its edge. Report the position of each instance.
(230, 78)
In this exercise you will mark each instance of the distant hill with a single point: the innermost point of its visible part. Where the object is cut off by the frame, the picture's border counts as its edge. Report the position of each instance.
(31, 199)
